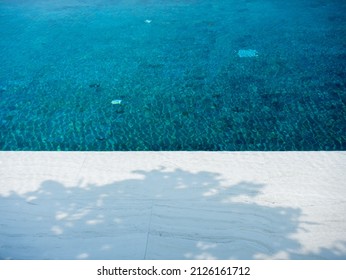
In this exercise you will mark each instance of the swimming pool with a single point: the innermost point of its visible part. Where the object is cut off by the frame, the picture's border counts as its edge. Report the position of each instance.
(175, 75)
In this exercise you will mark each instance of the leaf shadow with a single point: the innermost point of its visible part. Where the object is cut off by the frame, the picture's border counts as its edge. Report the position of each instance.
(164, 214)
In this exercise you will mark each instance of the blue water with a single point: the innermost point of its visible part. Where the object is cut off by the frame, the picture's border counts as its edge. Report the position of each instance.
(175, 67)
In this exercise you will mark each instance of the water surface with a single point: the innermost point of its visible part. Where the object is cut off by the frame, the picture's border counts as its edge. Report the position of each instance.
(176, 68)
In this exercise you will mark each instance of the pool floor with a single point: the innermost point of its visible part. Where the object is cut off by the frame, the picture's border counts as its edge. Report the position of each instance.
(169, 75)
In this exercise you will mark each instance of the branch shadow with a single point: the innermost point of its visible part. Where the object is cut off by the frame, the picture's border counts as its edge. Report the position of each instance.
(162, 215)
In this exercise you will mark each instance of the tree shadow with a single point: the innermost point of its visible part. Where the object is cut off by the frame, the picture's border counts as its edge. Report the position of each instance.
(163, 215)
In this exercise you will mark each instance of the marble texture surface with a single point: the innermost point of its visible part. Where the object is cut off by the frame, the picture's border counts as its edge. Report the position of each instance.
(172, 205)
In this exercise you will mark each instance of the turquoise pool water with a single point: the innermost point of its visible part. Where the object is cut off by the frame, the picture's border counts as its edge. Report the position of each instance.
(172, 75)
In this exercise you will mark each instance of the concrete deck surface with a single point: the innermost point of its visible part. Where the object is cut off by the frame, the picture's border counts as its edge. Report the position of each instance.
(172, 205)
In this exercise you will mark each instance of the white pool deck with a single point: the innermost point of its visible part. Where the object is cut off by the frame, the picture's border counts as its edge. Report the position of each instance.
(172, 205)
